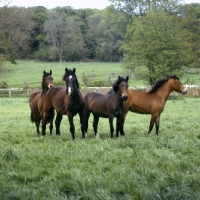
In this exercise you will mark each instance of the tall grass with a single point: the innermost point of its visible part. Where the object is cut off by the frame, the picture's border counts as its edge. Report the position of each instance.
(137, 166)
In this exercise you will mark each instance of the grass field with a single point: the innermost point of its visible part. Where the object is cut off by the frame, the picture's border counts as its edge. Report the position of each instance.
(133, 167)
(29, 73)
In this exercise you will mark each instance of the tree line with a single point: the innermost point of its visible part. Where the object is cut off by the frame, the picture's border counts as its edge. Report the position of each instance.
(153, 38)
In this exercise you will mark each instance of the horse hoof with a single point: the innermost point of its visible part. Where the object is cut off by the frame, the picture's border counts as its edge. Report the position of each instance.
(97, 136)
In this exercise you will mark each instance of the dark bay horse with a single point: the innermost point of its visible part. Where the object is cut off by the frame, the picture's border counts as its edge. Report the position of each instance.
(153, 101)
(66, 101)
(36, 100)
(107, 106)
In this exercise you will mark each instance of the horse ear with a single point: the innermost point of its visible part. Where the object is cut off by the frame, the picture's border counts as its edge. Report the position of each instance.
(127, 78)
(50, 72)
(74, 70)
(66, 70)
(44, 72)
(119, 78)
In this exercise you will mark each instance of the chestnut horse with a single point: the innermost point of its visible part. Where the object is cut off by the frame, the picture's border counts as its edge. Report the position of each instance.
(36, 100)
(107, 106)
(153, 101)
(66, 101)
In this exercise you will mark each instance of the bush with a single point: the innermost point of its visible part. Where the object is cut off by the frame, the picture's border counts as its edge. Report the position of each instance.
(3, 84)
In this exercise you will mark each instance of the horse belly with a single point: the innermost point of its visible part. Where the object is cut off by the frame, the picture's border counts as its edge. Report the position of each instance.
(140, 110)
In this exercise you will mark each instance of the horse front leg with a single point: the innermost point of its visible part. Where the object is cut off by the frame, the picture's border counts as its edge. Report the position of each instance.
(152, 122)
(71, 123)
(44, 122)
(37, 123)
(87, 116)
(111, 126)
(157, 124)
(82, 122)
(57, 123)
(51, 123)
(95, 125)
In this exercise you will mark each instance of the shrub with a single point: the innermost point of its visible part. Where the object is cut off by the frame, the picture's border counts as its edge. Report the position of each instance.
(3, 84)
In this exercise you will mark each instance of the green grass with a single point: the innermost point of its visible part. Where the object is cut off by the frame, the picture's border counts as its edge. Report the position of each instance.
(29, 73)
(136, 166)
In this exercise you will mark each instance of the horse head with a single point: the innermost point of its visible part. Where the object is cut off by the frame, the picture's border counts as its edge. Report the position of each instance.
(71, 80)
(177, 85)
(47, 80)
(121, 86)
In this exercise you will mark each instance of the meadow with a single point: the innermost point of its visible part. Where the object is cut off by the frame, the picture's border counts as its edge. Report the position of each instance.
(136, 166)
(28, 73)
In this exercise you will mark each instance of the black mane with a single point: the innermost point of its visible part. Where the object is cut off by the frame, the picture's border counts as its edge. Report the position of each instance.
(115, 86)
(159, 83)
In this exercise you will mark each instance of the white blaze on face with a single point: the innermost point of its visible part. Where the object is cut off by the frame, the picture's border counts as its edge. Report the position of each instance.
(69, 88)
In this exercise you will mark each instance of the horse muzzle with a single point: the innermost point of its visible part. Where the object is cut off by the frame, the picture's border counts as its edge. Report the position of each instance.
(50, 85)
(124, 97)
(184, 92)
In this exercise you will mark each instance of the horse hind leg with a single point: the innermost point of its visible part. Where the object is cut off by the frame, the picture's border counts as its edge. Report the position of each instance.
(95, 125)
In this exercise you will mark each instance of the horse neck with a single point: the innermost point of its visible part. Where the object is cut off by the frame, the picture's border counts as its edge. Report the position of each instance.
(118, 96)
(164, 91)
(77, 95)
(44, 89)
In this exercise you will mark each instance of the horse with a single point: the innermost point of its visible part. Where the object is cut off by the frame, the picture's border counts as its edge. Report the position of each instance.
(36, 100)
(107, 106)
(66, 101)
(153, 101)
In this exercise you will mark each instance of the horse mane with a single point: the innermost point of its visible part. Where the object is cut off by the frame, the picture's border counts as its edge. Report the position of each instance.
(69, 72)
(159, 83)
(43, 85)
(116, 84)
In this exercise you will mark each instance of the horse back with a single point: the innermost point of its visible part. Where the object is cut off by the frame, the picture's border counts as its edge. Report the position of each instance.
(102, 105)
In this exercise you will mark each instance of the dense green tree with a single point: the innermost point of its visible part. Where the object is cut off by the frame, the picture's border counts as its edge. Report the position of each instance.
(154, 44)
(190, 23)
(16, 27)
(135, 8)
(64, 37)
(106, 40)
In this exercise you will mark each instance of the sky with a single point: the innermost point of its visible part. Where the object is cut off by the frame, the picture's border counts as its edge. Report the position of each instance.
(76, 4)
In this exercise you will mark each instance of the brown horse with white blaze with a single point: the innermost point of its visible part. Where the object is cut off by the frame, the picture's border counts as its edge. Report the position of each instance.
(153, 101)
(66, 101)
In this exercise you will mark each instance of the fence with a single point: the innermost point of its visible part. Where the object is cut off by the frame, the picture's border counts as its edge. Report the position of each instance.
(21, 92)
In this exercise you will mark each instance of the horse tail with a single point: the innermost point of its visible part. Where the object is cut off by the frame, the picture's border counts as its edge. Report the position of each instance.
(32, 118)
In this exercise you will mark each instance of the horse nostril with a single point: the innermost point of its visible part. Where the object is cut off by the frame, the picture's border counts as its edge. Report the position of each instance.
(184, 92)
(124, 97)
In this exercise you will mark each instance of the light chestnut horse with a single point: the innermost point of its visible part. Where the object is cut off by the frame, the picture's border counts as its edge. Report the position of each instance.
(36, 101)
(153, 102)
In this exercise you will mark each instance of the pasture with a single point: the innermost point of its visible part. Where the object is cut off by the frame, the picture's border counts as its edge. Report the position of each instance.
(29, 73)
(137, 166)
